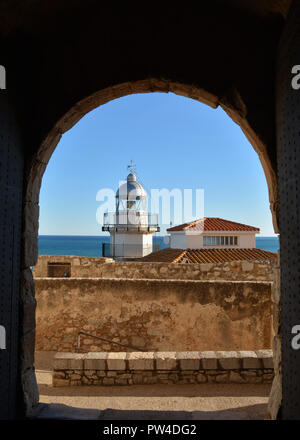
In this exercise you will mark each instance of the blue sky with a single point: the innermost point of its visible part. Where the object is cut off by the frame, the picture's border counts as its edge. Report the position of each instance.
(174, 141)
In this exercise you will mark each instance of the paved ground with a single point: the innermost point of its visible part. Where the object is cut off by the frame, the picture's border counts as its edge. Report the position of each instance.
(152, 402)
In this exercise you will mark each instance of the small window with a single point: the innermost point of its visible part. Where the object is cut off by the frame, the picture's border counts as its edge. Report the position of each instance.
(226, 241)
(213, 240)
(231, 241)
(218, 241)
(59, 270)
(235, 241)
(131, 204)
(208, 240)
(222, 241)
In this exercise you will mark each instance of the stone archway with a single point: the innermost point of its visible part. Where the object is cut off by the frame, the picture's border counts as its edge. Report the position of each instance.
(233, 105)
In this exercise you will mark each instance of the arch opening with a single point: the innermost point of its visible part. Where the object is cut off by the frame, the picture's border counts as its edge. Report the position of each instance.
(234, 110)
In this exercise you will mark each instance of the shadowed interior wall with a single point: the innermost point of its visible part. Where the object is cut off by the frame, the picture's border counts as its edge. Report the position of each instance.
(11, 188)
(288, 141)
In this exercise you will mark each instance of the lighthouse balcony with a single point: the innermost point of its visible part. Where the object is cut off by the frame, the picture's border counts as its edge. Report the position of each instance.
(130, 221)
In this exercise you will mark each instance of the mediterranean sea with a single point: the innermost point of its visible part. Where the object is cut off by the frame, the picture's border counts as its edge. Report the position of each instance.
(91, 246)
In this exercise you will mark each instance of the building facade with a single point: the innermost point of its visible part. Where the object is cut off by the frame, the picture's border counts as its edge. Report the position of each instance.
(212, 233)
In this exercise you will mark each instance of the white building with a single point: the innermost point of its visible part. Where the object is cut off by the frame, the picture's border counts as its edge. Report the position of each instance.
(131, 227)
(212, 233)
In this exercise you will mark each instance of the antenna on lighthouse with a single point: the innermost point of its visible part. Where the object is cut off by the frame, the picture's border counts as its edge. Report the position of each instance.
(131, 167)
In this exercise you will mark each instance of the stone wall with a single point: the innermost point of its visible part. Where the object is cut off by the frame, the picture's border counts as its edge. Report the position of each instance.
(275, 399)
(157, 315)
(163, 367)
(90, 267)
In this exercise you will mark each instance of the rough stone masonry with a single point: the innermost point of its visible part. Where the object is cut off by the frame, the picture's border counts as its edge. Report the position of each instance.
(73, 369)
(155, 315)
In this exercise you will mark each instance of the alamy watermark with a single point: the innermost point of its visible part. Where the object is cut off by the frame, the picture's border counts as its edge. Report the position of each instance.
(296, 339)
(173, 206)
(296, 79)
(2, 338)
(2, 78)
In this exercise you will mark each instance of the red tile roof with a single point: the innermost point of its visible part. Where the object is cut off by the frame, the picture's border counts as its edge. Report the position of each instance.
(170, 255)
(167, 255)
(213, 224)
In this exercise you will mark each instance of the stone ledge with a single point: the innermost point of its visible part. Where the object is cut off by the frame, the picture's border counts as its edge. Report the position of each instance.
(116, 361)
(72, 361)
(140, 360)
(163, 367)
(95, 361)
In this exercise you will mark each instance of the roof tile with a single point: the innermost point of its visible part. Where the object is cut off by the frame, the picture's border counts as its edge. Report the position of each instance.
(170, 255)
(213, 224)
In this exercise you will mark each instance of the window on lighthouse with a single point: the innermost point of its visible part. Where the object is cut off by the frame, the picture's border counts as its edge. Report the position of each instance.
(131, 204)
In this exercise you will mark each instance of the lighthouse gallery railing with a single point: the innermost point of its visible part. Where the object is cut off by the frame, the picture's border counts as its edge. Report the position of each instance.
(130, 220)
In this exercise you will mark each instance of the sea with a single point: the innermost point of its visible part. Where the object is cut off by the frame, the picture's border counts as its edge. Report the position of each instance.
(91, 246)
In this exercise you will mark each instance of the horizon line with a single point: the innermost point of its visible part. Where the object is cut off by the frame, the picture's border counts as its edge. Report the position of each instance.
(102, 235)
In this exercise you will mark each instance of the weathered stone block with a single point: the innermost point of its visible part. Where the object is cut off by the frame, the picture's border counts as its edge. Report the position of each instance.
(75, 382)
(192, 379)
(89, 373)
(75, 376)
(108, 381)
(166, 360)
(116, 361)
(206, 267)
(254, 380)
(247, 266)
(86, 380)
(95, 361)
(173, 377)
(137, 379)
(235, 377)
(209, 360)
(201, 378)
(268, 377)
(249, 373)
(211, 379)
(267, 358)
(250, 360)
(150, 380)
(68, 361)
(163, 376)
(229, 360)
(141, 361)
(189, 360)
(59, 375)
(222, 378)
(124, 376)
(183, 381)
(119, 381)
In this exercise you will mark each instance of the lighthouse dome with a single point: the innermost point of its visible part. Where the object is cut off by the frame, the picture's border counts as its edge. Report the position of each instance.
(131, 189)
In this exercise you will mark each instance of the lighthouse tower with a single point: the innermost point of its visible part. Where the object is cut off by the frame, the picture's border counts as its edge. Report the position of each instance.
(131, 227)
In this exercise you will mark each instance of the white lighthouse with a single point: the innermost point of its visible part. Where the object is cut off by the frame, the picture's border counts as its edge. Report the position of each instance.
(131, 227)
